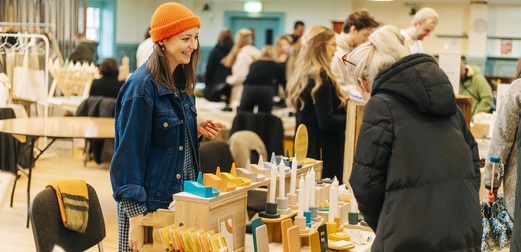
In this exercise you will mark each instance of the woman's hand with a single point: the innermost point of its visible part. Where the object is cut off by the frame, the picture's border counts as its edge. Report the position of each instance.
(209, 129)
(133, 231)
(491, 196)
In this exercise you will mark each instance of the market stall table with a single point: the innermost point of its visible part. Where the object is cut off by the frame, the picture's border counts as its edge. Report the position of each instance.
(30, 129)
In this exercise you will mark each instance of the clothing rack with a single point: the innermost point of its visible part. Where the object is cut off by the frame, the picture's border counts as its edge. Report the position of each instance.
(38, 26)
(31, 25)
(46, 61)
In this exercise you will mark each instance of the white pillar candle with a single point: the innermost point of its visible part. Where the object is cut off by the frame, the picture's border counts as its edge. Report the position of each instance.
(312, 196)
(282, 180)
(293, 180)
(333, 201)
(273, 183)
(301, 196)
(306, 192)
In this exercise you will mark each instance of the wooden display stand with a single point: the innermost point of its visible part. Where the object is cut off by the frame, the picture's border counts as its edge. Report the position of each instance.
(465, 104)
(355, 113)
(274, 226)
(149, 239)
(205, 213)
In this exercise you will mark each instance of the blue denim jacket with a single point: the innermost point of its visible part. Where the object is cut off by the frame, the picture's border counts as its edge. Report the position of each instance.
(147, 165)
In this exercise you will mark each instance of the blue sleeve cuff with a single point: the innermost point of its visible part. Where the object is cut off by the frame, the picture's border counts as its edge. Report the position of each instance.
(132, 192)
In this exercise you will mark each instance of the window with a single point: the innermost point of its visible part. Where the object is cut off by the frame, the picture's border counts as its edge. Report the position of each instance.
(93, 23)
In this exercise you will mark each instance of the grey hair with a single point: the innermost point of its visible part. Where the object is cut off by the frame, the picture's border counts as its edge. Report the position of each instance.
(384, 47)
(425, 14)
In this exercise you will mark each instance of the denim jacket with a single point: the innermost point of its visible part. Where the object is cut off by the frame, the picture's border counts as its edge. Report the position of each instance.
(147, 165)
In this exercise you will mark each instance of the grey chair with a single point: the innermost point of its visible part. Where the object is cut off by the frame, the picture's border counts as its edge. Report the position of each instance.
(48, 228)
(215, 153)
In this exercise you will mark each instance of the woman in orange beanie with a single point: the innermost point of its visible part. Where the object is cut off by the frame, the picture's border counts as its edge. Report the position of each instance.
(157, 136)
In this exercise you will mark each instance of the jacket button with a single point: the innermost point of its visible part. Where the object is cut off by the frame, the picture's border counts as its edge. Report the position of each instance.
(165, 124)
(178, 176)
(181, 121)
(181, 148)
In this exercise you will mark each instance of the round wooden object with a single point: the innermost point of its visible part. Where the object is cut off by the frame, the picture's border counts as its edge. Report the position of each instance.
(301, 143)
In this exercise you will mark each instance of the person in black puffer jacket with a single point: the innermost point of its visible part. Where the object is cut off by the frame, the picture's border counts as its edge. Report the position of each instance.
(416, 172)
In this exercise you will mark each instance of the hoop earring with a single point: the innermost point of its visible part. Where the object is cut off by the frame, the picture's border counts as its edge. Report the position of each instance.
(162, 46)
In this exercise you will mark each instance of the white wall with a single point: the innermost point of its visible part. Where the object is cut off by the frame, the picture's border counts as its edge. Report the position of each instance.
(133, 16)
(453, 19)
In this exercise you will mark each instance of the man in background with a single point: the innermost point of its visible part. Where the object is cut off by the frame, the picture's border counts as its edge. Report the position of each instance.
(474, 84)
(298, 31)
(422, 24)
(357, 28)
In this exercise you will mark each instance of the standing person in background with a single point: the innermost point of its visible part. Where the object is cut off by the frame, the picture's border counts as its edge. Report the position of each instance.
(263, 79)
(412, 201)
(144, 50)
(108, 85)
(216, 88)
(357, 28)
(475, 85)
(156, 145)
(422, 24)
(504, 143)
(283, 46)
(298, 31)
(241, 56)
(85, 51)
(316, 96)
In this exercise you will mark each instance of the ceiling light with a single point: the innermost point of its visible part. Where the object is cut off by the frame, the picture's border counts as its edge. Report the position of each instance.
(252, 7)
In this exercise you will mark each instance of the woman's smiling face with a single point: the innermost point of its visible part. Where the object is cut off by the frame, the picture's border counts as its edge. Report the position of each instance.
(179, 48)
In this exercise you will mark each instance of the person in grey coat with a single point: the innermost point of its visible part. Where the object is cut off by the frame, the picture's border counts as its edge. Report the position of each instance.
(416, 171)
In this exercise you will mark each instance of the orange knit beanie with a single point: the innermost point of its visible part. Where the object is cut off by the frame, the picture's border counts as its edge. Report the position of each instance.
(170, 19)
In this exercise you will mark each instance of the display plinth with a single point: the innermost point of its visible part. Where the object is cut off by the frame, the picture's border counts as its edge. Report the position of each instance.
(198, 212)
(274, 229)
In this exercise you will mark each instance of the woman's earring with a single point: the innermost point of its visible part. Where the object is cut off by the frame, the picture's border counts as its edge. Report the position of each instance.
(162, 46)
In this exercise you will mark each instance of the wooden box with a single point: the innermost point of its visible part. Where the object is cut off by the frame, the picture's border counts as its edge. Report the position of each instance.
(465, 104)
(206, 213)
(149, 239)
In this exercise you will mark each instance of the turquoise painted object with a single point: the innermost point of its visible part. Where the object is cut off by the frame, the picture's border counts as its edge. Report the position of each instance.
(197, 188)
(254, 224)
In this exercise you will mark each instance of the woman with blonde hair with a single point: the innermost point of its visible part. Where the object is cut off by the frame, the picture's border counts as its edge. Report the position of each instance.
(416, 170)
(263, 79)
(241, 56)
(283, 44)
(314, 92)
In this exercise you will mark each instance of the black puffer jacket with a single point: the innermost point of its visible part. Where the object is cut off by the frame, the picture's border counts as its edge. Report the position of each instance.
(416, 173)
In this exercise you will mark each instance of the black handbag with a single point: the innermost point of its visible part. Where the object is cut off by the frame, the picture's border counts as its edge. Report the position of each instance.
(219, 92)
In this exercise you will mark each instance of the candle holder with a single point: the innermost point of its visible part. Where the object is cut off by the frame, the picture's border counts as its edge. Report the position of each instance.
(339, 226)
(292, 201)
(271, 211)
(300, 222)
(314, 213)
(283, 206)
(309, 222)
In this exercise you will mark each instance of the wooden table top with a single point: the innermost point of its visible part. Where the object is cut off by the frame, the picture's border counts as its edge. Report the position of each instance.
(60, 127)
